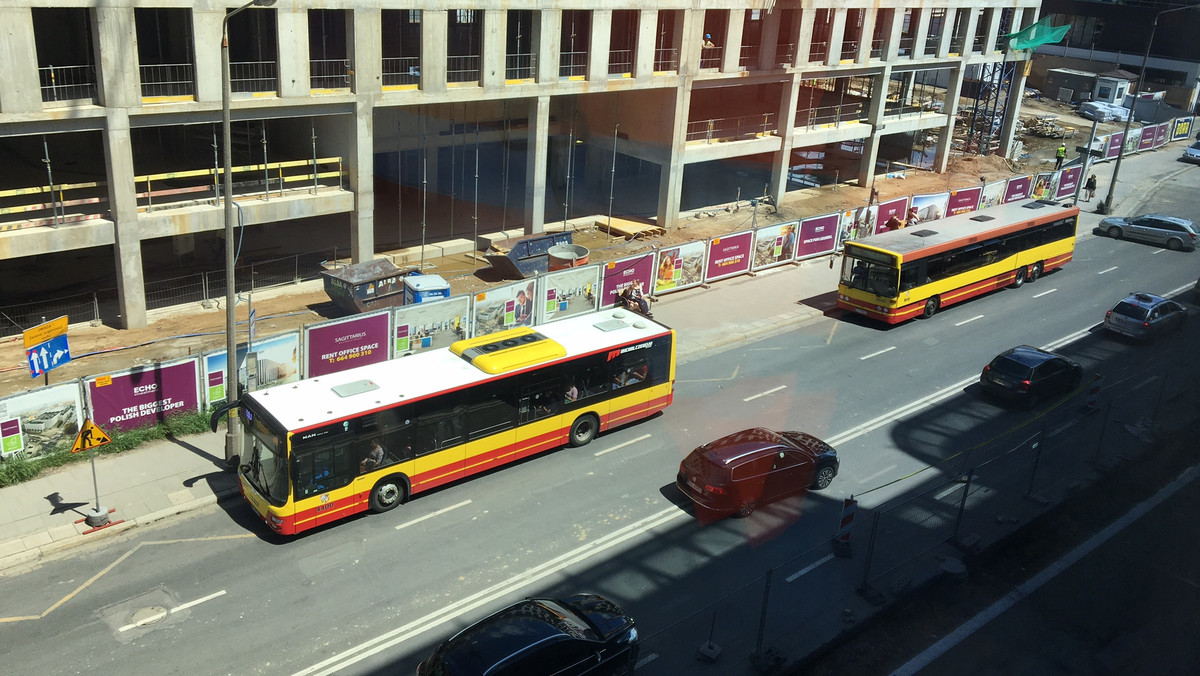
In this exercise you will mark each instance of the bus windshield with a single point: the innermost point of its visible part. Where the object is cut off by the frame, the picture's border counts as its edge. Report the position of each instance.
(265, 465)
(877, 278)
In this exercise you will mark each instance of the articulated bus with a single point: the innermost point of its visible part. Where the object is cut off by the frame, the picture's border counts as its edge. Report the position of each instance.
(897, 275)
(322, 449)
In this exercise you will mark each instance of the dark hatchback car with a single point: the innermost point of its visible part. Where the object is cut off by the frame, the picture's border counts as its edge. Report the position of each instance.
(581, 634)
(1144, 316)
(741, 471)
(1026, 374)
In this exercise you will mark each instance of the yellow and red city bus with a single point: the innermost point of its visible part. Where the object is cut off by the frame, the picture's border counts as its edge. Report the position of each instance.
(322, 449)
(897, 275)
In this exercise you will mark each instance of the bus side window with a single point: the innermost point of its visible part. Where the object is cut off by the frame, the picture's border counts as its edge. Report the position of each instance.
(541, 400)
(322, 469)
(908, 277)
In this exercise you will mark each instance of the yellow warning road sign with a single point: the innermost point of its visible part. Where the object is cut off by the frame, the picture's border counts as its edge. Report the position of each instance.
(89, 436)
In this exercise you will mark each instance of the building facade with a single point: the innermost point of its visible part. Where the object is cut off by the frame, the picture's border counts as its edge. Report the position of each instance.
(377, 125)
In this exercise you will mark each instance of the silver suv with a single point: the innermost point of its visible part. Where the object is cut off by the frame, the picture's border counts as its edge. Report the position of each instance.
(1145, 315)
(1178, 234)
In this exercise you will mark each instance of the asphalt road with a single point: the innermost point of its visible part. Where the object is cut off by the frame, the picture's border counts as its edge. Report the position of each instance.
(213, 594)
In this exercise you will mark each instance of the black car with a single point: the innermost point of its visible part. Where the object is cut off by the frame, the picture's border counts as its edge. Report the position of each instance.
(1026, 374)
(580, 634)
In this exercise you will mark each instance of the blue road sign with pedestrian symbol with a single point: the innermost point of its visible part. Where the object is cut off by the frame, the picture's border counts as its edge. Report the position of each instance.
(48, 355)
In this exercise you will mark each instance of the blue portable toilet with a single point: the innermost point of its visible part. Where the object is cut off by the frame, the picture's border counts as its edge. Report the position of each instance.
(420, 288)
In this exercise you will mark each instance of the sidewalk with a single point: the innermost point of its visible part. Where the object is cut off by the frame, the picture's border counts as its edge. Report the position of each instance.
(45, 516)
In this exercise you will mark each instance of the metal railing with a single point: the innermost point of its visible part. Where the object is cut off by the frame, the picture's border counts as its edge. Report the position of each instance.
(818, 116)
(68, 83)
(175, 189)
(731, 128)
(931, 44)
(785, 54)
(167, 80)
(401, 70)
(463, 68)
(748, 57)
(877, 48)
(620, 61)
(978, 44)
(520, 66)
(818, 51)
(710, 57)
(906, 46)
(329, 74)
(79, 308)
(666, 60)
(252, 77)
(849, 50)
(572, 64)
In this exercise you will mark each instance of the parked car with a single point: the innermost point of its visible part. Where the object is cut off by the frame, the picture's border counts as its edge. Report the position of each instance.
(753, 467)
(1192, 153)
(1145, 315)
(581, 634)
(1027, 375)
(1175, 232)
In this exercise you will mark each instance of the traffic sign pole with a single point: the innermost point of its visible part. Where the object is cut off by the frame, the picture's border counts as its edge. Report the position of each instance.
(98, 516)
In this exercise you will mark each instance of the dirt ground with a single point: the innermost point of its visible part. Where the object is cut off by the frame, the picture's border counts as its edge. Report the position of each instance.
(191, 329)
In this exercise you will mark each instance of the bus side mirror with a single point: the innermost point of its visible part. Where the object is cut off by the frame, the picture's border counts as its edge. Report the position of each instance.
(220, 411)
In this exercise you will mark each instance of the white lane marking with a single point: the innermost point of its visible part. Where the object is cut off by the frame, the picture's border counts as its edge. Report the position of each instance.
(441, 511)
(645, 659)
(491, 594)
(1156, 252)
(876, 354)
(158, 616)
(712, 380)
(622, 445)
(763, 394)
(953, 489)
(968, 321)
(869, 479)
(810, 567)
(1103, 272)
(1047, 291)
(1062, 428)
(927, 656)
(1144, 383)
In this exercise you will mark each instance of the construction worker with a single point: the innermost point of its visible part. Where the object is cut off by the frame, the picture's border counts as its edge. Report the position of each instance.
(1060, 155)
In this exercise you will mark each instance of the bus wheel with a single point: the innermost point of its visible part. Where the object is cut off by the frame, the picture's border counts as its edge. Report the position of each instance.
(1035, 272)
(387, 494)
(584, 429)
(1019, 280)
(931, 306)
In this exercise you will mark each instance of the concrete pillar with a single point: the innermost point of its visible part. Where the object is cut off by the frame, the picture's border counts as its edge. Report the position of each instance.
(992, 17)
(434, 24)
(690, 41)
(1012, 107)
(891, 35)
(787, 132)
(943, 50)
(670, 182)
(919, 33)
(361, 171)
(866, 167)
(366, 52)
(968, 46)
(643, 58)
(547, 37)
(206, 36)
(802, 35)
(598, 45)
(731, 57)
(292, 22)
(770, 39)
(495, 32)
(867, 35)
(537, 148)
(837, 29)
(20, 89)
(950, 107)
(118, 85)
(122, 200)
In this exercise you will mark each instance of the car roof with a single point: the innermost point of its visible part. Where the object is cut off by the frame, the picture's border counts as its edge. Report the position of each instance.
(1027, 355)
(1144, 299)
(733, 447)
(508, 633)
(1165, 217)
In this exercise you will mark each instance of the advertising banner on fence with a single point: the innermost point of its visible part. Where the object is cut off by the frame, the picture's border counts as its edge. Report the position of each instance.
(930, 207)
(42, 421)
(343, 344)
(1181, 128)
(1162, 133)
(1114, 145)
(429, 324)
(818, 235)
(1145, 140)
(680, 267)
(993, 194)
(897, 208)
(1068, 182)
(141, 397)
(728, 255)
(774, 245)
(1044, 185)
(503, 307)
(858, 223)
(963, 201)
(277, 359)
(569, 292)
(625, 272)
(1017, 188)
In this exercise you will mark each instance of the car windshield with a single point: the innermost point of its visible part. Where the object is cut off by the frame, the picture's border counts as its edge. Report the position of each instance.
(1131, 310)
(1195, 146)
(876, 278)
(1011, 368)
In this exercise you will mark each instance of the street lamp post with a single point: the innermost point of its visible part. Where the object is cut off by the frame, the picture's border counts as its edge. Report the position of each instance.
(1105, 207)
(233, 436)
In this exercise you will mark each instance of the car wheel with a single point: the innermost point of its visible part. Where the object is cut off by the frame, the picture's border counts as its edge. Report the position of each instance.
(1035, 272)
(823, 478)
(387, 494)
(584, 429)
(1114, 232)
(931, 306)
(1175, 244)
(746, 509)
(1019, 280)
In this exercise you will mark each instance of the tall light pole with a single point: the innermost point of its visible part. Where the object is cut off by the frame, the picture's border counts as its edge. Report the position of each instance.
(1105, 207)
(233, 430)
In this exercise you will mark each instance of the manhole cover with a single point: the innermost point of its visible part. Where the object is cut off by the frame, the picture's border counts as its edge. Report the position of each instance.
(147, 616)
